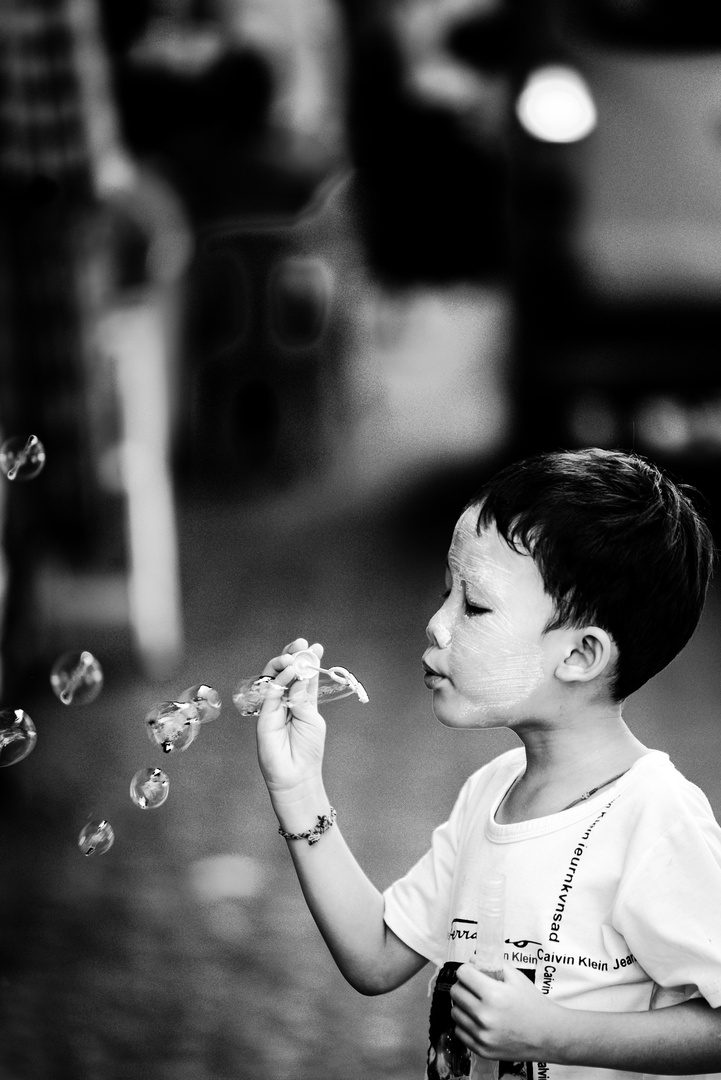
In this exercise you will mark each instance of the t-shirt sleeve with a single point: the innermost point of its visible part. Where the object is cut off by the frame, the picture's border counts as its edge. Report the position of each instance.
(417, 905)
(669, 908)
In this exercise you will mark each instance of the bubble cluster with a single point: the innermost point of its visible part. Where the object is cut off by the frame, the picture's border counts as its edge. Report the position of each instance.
(96, 837)
(76, 678)
(149, 788)
(17, 736)
(21, 457)
(173, 725)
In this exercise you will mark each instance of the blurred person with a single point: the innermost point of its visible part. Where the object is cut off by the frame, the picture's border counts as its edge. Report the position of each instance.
(238, 101)
(46, 189)
(82, 228)
(428, 132)
(572, 579)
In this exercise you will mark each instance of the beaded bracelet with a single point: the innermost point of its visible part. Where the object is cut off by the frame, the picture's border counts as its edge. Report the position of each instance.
(313, 835)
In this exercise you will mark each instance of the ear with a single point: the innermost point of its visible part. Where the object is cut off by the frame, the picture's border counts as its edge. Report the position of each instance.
(588, 652)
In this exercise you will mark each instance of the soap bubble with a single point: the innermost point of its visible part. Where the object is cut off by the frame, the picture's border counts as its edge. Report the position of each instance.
(206, 700)
(76, 678)
(22, 458)
(149, 788)
(249, 694)
(96, 837)
(17, 736)
(173, 725)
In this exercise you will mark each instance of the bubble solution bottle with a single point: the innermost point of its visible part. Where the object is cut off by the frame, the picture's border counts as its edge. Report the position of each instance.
(488, 956)
(333, 683)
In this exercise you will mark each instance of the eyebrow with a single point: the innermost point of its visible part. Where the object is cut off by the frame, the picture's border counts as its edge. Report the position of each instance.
(484, 587)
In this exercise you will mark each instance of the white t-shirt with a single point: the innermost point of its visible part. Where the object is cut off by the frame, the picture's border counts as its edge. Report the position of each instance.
(612, 905)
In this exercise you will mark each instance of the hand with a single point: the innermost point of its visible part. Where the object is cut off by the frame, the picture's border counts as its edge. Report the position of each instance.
(290, 731)
(503, 1021)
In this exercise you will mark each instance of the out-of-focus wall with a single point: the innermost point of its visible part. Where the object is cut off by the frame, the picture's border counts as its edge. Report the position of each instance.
(649, 179)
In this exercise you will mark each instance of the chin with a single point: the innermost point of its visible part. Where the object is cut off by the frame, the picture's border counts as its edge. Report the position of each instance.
(468, 716)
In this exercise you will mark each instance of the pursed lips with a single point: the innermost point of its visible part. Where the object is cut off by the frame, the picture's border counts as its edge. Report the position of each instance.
(431, 673)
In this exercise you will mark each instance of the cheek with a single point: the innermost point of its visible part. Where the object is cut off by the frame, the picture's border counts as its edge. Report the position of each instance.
(494, 667)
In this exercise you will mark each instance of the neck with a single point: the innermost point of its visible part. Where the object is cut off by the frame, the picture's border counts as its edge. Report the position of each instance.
(565, 762)
(595, 747)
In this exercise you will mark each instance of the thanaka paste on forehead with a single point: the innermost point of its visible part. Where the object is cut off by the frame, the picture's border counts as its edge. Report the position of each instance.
(474, 566)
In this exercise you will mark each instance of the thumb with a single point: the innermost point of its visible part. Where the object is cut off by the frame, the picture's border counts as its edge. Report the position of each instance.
(513, 976)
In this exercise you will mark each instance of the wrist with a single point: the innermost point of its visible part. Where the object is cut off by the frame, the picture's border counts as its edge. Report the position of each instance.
(560, 1034)
(323, 823)
(299, 809)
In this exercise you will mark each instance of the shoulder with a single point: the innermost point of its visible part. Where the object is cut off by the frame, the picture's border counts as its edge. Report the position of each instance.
(656, 785)
(668, 895)
(661, 804)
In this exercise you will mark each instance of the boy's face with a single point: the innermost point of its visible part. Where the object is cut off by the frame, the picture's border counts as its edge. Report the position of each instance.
(488, 659)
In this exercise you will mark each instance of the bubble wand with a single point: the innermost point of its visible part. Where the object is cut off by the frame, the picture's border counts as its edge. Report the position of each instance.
(334, 683)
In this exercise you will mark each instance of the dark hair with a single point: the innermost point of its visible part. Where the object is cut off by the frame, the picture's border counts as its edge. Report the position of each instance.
(618, 545)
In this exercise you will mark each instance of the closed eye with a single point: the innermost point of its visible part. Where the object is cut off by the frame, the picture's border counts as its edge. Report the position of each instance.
(475, 609)
(470, 609)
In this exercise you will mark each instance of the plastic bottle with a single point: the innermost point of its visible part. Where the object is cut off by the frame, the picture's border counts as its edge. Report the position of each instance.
(488, 956)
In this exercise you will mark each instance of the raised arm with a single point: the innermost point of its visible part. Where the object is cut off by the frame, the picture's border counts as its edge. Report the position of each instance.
(512, 1020)
(347, 907)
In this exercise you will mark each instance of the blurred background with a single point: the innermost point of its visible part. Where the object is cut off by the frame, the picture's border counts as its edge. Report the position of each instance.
(281, 283)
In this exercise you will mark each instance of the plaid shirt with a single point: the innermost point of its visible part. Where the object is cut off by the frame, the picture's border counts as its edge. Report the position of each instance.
(42, 126)
(46, 201)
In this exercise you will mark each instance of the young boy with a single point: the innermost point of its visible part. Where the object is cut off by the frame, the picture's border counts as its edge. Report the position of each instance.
(571, 580)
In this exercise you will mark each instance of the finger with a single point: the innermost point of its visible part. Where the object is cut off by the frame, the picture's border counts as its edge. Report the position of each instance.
(286, 675)
(298, 695)
(303, 699)
(318, 649)
(515, 977)
(474, 980)
(468, 1041)
(307, 689)
(279, 664)
(463, 1015)
(296, 646)
(465, 999)
(473, 1027)
(475, 1044)
(273, 711)
(465, 1024)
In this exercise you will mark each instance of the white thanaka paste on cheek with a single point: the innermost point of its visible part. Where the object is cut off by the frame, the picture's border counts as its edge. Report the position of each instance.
(491, 664)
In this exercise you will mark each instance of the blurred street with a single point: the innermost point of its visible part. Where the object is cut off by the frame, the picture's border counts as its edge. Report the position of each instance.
(186, 951)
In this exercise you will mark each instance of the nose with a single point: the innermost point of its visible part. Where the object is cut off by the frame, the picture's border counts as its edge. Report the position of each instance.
(438, 630)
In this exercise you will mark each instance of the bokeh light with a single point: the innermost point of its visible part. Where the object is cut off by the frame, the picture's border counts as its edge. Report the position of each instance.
(556, 106)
